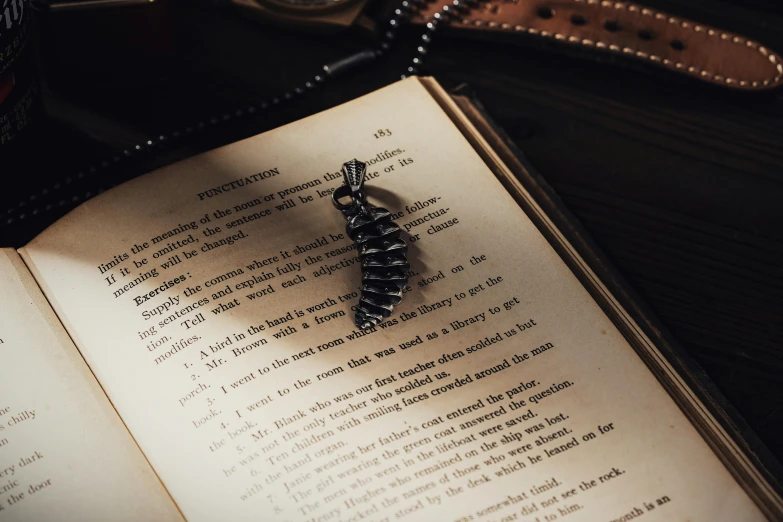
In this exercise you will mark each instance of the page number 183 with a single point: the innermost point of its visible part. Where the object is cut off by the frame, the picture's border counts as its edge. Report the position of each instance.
(382, 133)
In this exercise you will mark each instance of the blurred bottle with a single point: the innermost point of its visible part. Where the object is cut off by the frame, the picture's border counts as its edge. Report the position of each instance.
(19, 89)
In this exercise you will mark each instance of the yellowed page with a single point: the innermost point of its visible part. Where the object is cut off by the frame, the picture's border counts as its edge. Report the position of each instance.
(497, 391)
(64, 453)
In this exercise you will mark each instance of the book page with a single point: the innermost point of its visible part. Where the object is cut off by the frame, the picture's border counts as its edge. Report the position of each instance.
(213, 299)
(64, 452)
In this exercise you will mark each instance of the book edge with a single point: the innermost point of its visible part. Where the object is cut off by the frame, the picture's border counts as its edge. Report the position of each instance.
(23, 260)
(748, 454)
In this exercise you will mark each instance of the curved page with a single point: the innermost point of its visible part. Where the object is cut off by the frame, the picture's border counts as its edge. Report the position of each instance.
(64, 453)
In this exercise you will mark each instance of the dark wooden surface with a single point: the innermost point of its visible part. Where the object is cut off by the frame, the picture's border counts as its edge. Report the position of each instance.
(679, 182)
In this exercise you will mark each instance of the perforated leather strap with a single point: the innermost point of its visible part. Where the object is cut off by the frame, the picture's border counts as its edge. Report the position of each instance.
(618, 27)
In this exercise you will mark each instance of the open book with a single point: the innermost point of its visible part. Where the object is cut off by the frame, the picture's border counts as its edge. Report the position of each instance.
(182, 347)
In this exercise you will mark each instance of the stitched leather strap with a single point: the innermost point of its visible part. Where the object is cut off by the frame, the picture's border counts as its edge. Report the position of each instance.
(683, 46)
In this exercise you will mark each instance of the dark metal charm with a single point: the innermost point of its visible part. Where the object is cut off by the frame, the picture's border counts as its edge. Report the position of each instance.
(382, 252)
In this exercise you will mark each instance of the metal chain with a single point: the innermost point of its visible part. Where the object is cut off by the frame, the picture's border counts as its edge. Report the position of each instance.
(406, 9)
(447, 14)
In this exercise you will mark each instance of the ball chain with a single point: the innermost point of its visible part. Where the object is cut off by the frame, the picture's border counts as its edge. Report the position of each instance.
(447, 14)
(406, 9)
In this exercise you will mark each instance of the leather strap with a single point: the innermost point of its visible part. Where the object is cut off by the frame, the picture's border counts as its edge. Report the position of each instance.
(631, 30)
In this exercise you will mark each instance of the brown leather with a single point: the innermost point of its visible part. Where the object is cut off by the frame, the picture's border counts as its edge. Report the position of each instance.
(618, 27)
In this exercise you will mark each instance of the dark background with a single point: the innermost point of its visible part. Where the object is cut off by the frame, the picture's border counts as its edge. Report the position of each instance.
(678, 181)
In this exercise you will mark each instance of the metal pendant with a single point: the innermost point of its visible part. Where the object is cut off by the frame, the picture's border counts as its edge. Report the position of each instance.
(382, 252)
